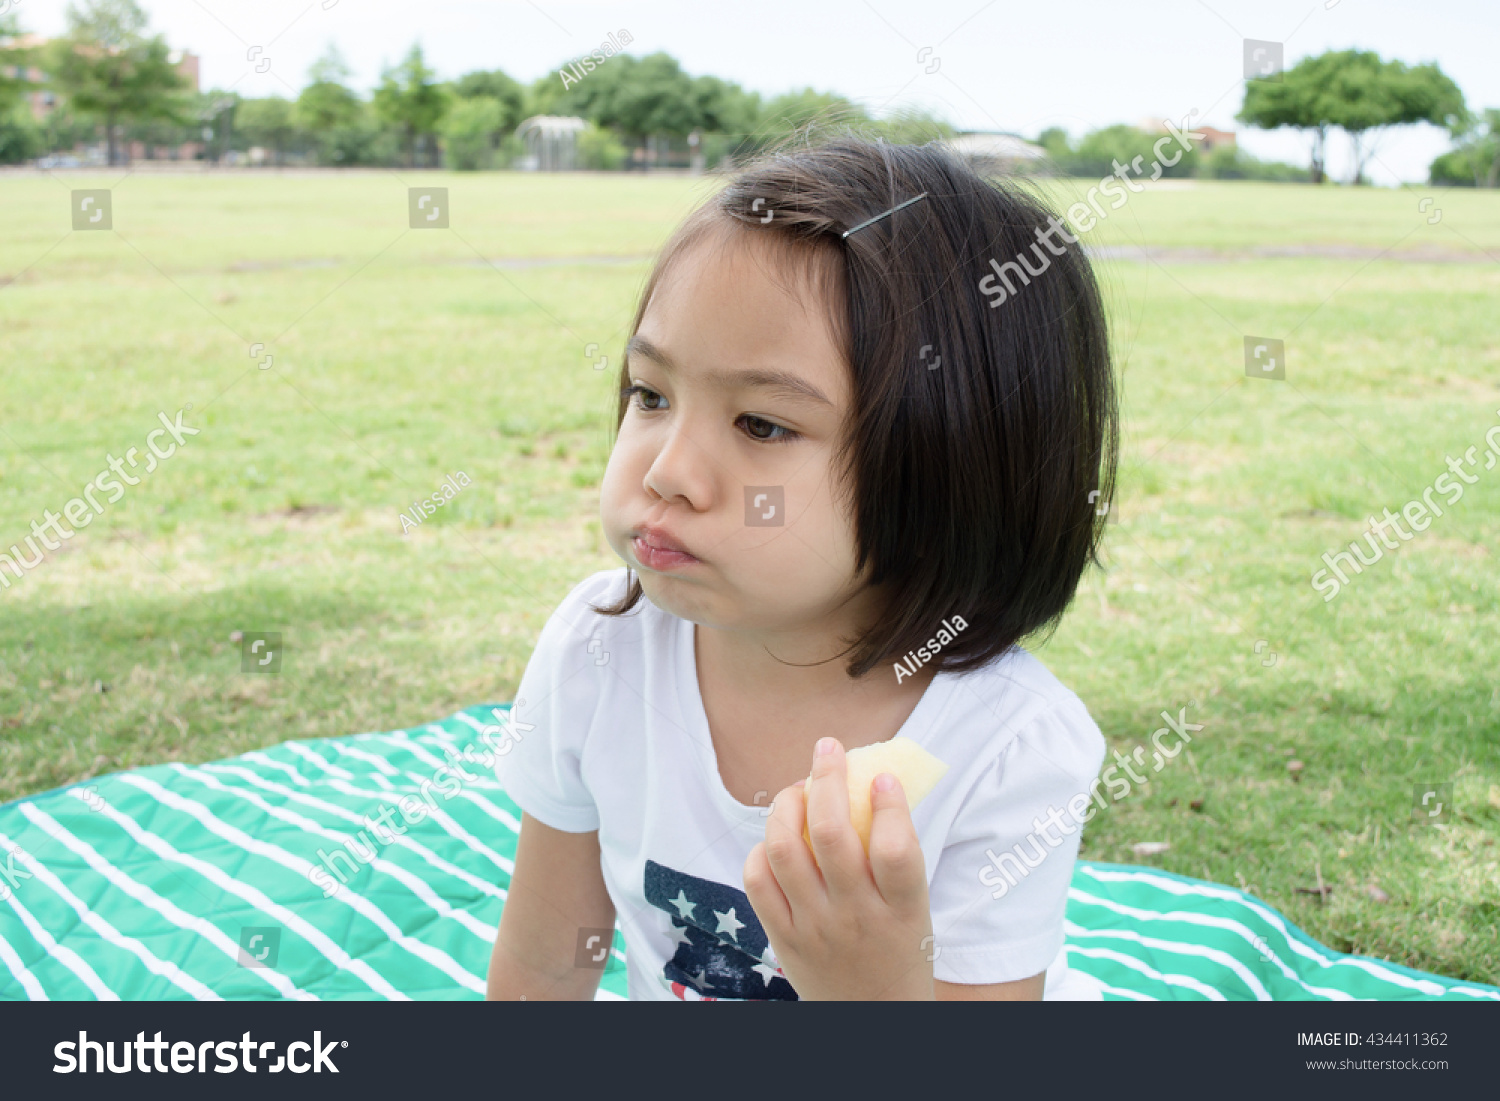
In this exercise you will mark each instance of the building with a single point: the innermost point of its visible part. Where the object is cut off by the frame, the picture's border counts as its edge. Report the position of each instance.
(551, 142)
(994, 152)
(187, 67)
(41, 100)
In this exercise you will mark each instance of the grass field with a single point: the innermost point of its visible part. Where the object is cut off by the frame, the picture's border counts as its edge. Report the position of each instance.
(403, 356)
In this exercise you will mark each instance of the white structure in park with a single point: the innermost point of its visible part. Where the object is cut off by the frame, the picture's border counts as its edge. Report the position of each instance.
(551, 142)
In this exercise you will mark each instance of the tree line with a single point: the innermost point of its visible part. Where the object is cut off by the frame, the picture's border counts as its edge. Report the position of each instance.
(114, 80)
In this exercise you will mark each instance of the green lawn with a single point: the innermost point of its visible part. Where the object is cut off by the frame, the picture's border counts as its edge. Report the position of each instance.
(403, 356)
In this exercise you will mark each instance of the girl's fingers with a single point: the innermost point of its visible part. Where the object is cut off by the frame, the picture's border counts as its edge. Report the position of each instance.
(841, 857)
(765, 894)
(895, 853)
(787, 854)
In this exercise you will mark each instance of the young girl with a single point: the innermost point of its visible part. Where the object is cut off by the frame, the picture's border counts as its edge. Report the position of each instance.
(850, 476)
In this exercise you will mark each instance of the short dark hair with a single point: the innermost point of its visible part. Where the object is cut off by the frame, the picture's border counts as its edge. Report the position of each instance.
(973, 479)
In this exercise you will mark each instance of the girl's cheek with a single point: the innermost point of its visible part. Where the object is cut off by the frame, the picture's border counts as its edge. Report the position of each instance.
(632, 453)
(614, 490)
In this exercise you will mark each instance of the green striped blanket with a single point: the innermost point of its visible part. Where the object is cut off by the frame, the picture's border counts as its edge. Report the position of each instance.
(212, 882)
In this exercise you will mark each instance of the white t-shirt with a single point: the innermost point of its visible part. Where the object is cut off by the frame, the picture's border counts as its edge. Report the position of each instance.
(619, 743)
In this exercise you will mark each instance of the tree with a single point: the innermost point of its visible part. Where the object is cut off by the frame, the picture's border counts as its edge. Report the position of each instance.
(1476, 160)
(12, 57)
(412, 102)
(499, 87)
(333, 114)
(1230, 162)
(106, 66)
(1355, 91)
(1059, 148)
(641, 99)
(599, 149)
(1485, 152)
(600, 96)
(543, 95)
(723, 107)
(1299, 101)
(912, 126)
(326, 103)
(806, 112)
(487, 108)
(1371, 95)
(20, 137)
(266, 122)
(1101, 150)
(727, 115)
(645, 99)
(470, 133)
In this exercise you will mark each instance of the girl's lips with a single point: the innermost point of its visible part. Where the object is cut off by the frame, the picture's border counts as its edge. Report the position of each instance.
(658, 553)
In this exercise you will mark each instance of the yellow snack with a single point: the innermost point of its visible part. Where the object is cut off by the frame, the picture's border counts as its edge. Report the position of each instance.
(918, 771)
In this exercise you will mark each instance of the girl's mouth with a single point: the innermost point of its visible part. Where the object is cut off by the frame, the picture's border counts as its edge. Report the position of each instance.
(658, 551)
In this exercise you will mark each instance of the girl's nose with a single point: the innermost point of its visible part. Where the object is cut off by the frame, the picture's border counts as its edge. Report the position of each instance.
(683, 470)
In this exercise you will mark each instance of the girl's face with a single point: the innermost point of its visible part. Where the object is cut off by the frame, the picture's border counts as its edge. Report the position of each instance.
(720, 490)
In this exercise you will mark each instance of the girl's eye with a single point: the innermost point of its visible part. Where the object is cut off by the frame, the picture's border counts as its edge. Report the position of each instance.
(757, 428)
(646, 400)
(765, 431)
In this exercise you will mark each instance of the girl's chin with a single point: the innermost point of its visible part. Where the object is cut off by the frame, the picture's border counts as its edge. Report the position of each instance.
(669, 594)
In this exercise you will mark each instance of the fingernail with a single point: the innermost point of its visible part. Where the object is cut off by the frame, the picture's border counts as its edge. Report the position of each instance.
(885, 782)
(824, 747)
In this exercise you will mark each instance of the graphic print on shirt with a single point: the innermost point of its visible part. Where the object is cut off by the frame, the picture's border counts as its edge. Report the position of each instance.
(722, 951)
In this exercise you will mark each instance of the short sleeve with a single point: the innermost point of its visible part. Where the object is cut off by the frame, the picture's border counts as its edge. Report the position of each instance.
(1000, 889)
(541, 768)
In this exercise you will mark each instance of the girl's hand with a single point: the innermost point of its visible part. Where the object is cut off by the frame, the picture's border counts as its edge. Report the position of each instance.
(846, 927)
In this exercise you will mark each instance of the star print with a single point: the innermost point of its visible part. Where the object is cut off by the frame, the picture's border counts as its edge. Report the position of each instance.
(766, 972)
(728, 923)
(723, 940)
(684, 907)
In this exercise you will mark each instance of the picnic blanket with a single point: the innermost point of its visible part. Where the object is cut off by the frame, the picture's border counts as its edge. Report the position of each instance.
(212, 881)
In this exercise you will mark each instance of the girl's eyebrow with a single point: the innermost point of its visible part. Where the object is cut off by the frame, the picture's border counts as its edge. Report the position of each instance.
(783, 382)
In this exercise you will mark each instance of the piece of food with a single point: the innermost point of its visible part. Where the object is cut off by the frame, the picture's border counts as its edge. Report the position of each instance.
(918, 771)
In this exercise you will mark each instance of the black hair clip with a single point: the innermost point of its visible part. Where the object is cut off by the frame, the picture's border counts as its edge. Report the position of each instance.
(888, 213)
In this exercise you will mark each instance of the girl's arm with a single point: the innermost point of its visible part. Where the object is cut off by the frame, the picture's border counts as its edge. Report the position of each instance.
(556, 890)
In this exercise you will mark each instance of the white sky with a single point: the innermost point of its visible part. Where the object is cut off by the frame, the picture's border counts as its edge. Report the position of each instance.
(1003, 64)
